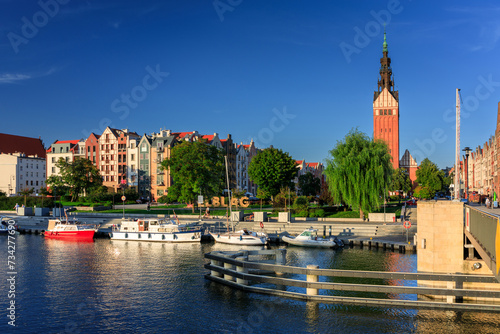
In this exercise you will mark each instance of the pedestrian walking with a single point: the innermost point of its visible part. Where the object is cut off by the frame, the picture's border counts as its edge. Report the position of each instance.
(403, 212)
(487, 202)
(16, 207)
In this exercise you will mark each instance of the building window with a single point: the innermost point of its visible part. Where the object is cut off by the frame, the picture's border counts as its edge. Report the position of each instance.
(37, 183)
(112, 178)
(132, 157)
(53, 159)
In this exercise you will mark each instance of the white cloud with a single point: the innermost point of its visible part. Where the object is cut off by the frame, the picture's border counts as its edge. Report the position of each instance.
(13, 78)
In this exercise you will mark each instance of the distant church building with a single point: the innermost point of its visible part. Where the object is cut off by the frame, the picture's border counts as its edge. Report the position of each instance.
(386, 115)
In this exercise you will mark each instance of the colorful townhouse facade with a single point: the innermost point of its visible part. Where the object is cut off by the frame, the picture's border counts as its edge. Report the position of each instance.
(479, 168)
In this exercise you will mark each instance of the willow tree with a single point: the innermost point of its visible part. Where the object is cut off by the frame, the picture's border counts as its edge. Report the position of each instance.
(359, 172)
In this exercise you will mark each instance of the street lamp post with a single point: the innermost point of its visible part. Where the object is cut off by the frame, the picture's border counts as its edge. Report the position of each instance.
(466, 171)
(123, 183)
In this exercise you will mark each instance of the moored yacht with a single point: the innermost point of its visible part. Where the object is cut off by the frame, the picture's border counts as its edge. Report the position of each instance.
(65, 229)
(310, 238)
(154, 229)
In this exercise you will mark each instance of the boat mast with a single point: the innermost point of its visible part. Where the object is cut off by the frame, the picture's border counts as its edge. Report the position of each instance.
(229, 194)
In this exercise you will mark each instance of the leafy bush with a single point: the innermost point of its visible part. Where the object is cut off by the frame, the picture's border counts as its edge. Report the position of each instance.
(424, 192)
(303, 213)
(163, 199)
(301, 203)
(317, 213)
(8, 203)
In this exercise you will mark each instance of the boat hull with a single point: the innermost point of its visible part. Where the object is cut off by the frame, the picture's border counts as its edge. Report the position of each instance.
(181, 236)
(311, 243)
(239, 239)
(73, 235)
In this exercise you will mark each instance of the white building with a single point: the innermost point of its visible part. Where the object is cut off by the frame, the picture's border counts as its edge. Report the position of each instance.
(65, 149)
(22, 164)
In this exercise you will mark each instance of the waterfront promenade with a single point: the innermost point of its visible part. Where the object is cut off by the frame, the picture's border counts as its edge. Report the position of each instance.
(364, 234)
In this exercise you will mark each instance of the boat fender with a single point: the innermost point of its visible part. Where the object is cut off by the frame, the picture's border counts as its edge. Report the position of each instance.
(218, 235)
(261, 225)
(192, 238)
(241, 237)
(175, 236)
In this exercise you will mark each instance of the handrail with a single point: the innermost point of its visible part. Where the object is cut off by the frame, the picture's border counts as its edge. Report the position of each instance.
(354, 273)
(233, 269)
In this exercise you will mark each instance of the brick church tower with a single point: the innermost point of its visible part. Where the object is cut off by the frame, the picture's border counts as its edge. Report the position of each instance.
(386, 108)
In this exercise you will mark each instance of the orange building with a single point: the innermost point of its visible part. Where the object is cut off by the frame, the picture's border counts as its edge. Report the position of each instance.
(386, 108)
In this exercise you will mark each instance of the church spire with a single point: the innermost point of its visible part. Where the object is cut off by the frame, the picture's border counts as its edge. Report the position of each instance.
(386, 79)
(384, 45)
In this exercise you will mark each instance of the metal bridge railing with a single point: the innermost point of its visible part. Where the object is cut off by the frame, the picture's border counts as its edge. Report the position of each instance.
(483, 227)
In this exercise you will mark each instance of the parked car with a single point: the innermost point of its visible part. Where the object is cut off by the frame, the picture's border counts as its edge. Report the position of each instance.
(411, 202)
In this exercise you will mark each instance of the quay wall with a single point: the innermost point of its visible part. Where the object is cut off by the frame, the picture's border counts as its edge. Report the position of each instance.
(441, 246)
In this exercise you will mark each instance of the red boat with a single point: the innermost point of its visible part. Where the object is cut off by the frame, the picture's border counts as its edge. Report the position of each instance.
(71, 230)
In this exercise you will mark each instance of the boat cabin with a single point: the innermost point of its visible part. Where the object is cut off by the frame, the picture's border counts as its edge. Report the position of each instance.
(309, 234)
(148, 225)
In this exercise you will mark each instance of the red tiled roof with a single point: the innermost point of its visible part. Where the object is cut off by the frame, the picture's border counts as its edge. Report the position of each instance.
(312, 164)
(208, 137)
(299, 161)
(26, 145)
(66, 142)
(182, 134)
(223, 140)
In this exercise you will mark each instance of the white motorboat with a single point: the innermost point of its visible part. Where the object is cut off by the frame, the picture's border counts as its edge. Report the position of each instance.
(7, 224)
(155, 229)
(310, 238)
(243, 238)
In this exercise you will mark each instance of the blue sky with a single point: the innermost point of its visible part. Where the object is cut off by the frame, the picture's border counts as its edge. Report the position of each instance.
(290, 74)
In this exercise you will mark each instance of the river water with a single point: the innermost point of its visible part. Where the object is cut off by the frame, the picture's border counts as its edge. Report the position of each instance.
(139, 287)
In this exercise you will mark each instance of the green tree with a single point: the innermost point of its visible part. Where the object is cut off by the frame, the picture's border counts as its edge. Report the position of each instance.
(430, 177)
(400, 180)
(26, 192)
(79, 176)
(309, 184)
(359, 171)
(325, 196)
(272, 169)
(195, 168)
